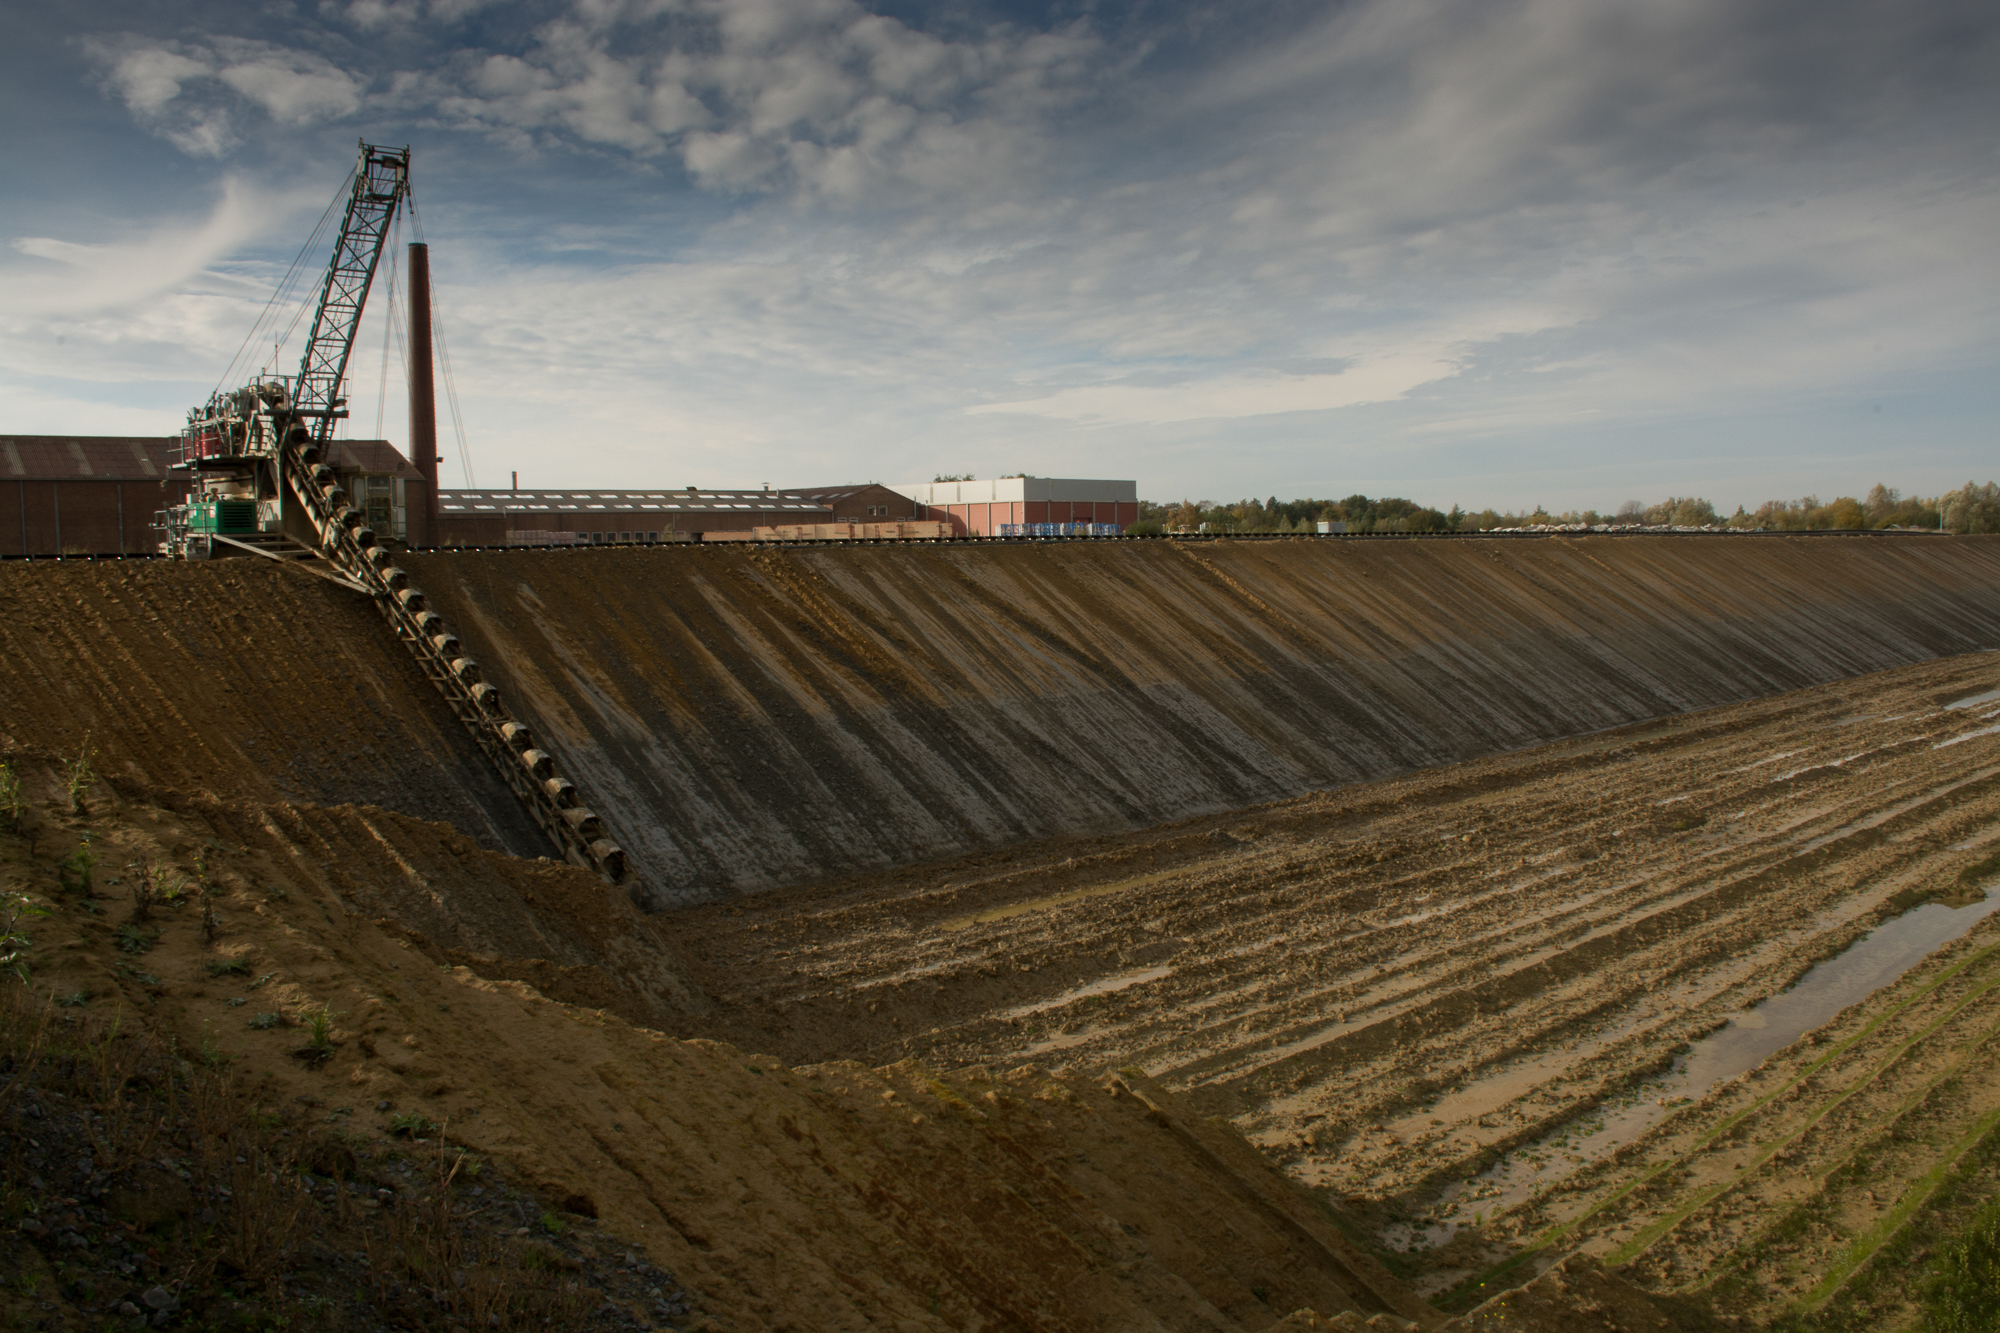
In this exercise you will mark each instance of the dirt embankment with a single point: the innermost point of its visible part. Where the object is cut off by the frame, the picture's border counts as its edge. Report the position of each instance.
(239, 678)
(749, 718)
(831, 1197)
(1393, 987)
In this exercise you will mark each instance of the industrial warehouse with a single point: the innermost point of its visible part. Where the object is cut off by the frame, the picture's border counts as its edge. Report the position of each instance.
(97, 495)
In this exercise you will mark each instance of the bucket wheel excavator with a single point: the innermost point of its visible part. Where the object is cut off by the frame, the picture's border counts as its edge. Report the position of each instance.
(258, 482)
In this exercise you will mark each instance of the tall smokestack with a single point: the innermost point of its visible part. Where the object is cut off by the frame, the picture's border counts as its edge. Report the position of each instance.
(423, 393)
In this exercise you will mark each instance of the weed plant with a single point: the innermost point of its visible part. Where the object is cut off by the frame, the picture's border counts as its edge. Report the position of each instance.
(413, 1125)
(13, 801)
(79, 777)
(211, 923)
(1962, 1290)
(319, 1025)
(74, 871)
(15, 943)
(143, 891)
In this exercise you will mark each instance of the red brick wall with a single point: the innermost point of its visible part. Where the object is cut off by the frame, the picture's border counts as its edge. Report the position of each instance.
(888, 505)
(82, 516)
(985, 519)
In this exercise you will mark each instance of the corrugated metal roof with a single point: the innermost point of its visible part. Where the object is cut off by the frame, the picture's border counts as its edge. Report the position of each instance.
(831, 493)
(84, 457)
(148, 457)
(372, 456)
(591, 503)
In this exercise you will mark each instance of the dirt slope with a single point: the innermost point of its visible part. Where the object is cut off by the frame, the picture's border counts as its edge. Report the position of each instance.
(1391, 986)
(825, 1198)
(749, 718)
(240, 678)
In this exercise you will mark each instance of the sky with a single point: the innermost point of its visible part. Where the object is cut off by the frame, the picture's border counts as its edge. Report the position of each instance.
(1506, 253)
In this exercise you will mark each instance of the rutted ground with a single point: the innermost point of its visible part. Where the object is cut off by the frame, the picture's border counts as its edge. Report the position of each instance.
(1389, 986)
(827, 1197)
(745, 719)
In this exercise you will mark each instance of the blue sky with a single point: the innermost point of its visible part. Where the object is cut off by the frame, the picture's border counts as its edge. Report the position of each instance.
(1506, 253)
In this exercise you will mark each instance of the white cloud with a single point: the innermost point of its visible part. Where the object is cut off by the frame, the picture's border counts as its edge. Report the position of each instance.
(293, 87)
(81, 279)
(1451, 225)
(1239, 395)
(826, 99)
(176, 89)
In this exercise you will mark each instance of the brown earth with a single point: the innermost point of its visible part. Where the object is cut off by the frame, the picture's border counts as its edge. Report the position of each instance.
(1385, 987)
(748, 718)
(827, 1197)
(831, 1196)
(1390, 986)
(242, 678)
(745, 718)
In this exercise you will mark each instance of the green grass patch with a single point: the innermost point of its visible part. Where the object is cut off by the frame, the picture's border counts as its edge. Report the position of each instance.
(1961, 1292)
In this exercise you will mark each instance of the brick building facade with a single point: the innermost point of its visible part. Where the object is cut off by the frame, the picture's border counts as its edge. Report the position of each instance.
(984, 508)
(83, 495)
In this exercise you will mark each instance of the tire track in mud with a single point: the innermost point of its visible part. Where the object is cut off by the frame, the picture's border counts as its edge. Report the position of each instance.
(1389, 986)
(1777, 1190)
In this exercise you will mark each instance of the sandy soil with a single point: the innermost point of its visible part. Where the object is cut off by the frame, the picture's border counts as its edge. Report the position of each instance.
(1389, 987)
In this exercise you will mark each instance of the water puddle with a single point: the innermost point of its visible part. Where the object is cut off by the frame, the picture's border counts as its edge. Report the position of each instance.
(1749, 1038)
(1983, 731)
(1767, 759)
(1974, 700)
(1117, 981)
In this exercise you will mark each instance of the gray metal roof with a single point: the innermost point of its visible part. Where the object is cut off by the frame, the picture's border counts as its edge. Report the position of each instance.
(651, 501)
(83, 457)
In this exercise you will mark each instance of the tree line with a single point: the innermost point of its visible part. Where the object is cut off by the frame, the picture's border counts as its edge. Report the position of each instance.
(1972, 508)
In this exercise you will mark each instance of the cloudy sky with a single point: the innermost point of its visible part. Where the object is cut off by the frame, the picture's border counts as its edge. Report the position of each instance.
(1504, 252)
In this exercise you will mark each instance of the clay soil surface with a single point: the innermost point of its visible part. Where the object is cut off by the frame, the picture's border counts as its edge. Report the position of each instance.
(1394, 987)
(687, 1183)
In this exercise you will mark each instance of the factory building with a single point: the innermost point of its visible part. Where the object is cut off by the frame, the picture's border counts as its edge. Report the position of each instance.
(1025, 506)
(98, 494)
(592, 517)
(870, 502)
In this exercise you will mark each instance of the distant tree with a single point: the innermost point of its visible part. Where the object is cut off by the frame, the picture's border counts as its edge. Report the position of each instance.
(1632, 511)
(1881, 503)
(1689, 511)
(1973, 508)
(954, 476)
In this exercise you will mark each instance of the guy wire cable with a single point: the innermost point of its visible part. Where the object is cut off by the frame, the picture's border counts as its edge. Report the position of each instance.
(291, 274)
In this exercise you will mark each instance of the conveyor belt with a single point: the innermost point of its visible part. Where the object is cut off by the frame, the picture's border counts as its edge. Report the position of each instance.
(529, 771)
